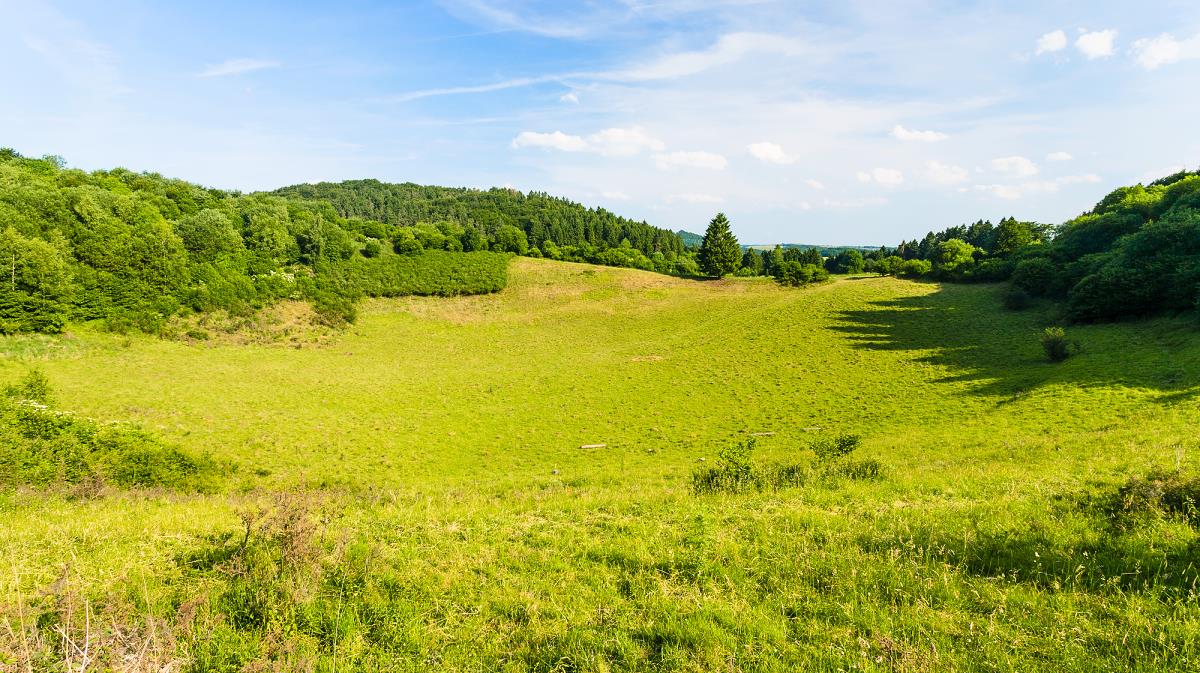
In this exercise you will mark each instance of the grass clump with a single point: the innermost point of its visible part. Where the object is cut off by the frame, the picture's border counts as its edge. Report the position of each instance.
(1165, 493)
(43, 447)
(735, 472)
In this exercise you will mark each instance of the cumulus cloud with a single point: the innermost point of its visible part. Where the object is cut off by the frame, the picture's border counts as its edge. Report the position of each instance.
(613, 142)
(815, 184)
(945, 174)
(1059, 156)
(1017, 167)
(888, 177)
(570, 97)
(708, 160)
(901, 133)
(1097, 44)
(555, 141)
(237, 66)
(770, 153)
(1152, 53)
(1053, 41)
(693, 198)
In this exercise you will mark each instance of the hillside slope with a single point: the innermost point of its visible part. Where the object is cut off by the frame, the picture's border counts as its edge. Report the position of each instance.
(424, 494)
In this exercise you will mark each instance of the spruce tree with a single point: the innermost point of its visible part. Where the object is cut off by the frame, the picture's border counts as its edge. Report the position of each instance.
(720, 254)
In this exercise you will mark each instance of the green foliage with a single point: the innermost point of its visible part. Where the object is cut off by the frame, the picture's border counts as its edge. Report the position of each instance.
(436, 273)
(1161, 493)
(914, 268)
(482, 214)
(1055, 344)
(796, 274)
(832, 448)
(720, 254)
(846, 261)
(510, 239)
(45, 448)
(952, 254)
(736, 472)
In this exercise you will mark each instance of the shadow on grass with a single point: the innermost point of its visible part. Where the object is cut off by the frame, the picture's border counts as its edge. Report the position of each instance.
(966, 330)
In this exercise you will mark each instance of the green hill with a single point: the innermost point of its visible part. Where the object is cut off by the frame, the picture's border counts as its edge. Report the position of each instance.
(505, 482)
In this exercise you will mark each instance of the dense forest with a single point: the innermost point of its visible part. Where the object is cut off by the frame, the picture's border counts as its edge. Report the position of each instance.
(1137, 252)
(136, 250)
(535, 224)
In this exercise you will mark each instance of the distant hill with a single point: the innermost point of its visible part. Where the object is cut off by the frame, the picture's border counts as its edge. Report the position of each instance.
(689, 239)
(541, 216)
(826, 250)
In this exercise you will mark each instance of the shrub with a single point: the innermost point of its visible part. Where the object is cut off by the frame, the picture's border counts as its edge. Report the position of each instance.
(828, 449)
(1037, 276)
(43, 447)
(912, 268)
(435, 272)
(1159, 493)
(733, 472)
(1055, 344)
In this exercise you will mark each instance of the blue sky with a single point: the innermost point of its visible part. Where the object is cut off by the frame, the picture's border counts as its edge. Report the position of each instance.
(841, 122)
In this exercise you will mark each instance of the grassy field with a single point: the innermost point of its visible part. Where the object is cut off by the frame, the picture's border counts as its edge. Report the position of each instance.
(418, 498)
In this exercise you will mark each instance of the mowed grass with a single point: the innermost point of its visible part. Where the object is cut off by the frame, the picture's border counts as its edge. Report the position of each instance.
(438, 445)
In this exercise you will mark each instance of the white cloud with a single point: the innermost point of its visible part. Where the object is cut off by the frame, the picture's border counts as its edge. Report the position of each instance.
(901, 133)
(1097, 44)
(1086, 178)
(805, 205)
(569, 97)
(1053, 41)
(614, 142)
(1023, 189)
(555, 141)
(694, 198)
(708, 160)
(815, 184)
(856, 203)
(1165, 49)
(888, 177)
(770, 153)
(1059, 156)
(945, 174)
(1017, 167)
(619, 142)
(728, 49)
(616, 196)
(237, 66)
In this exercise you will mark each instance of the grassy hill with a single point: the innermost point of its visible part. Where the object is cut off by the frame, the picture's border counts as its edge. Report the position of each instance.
(412, 494)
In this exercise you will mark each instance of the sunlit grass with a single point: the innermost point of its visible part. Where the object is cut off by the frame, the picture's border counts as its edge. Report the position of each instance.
(444, 435)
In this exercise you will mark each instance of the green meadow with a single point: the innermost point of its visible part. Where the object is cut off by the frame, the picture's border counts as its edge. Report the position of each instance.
(413, 493)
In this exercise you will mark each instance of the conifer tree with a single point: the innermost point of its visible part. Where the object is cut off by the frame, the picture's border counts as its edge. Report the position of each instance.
(720, 254)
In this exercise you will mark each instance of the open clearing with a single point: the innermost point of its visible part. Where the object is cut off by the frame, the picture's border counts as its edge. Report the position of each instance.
(441, 440)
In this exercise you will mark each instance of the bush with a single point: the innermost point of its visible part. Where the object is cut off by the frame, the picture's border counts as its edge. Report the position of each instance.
(434, 272)
(796, 274)
(913, 268)
(735, 472)
(1037, 276)
(43, 447)
(1159, 493)
(1055, 344)
(828, 449)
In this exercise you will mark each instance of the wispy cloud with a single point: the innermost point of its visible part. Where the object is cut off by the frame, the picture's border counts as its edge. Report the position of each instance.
(707, 160)
(237, 66)
(692, 197)
(888, 177)
(611, 142)
(1017, 167)
(901, 133)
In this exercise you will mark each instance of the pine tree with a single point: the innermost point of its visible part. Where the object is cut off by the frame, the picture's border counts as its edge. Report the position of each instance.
(720, 253)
